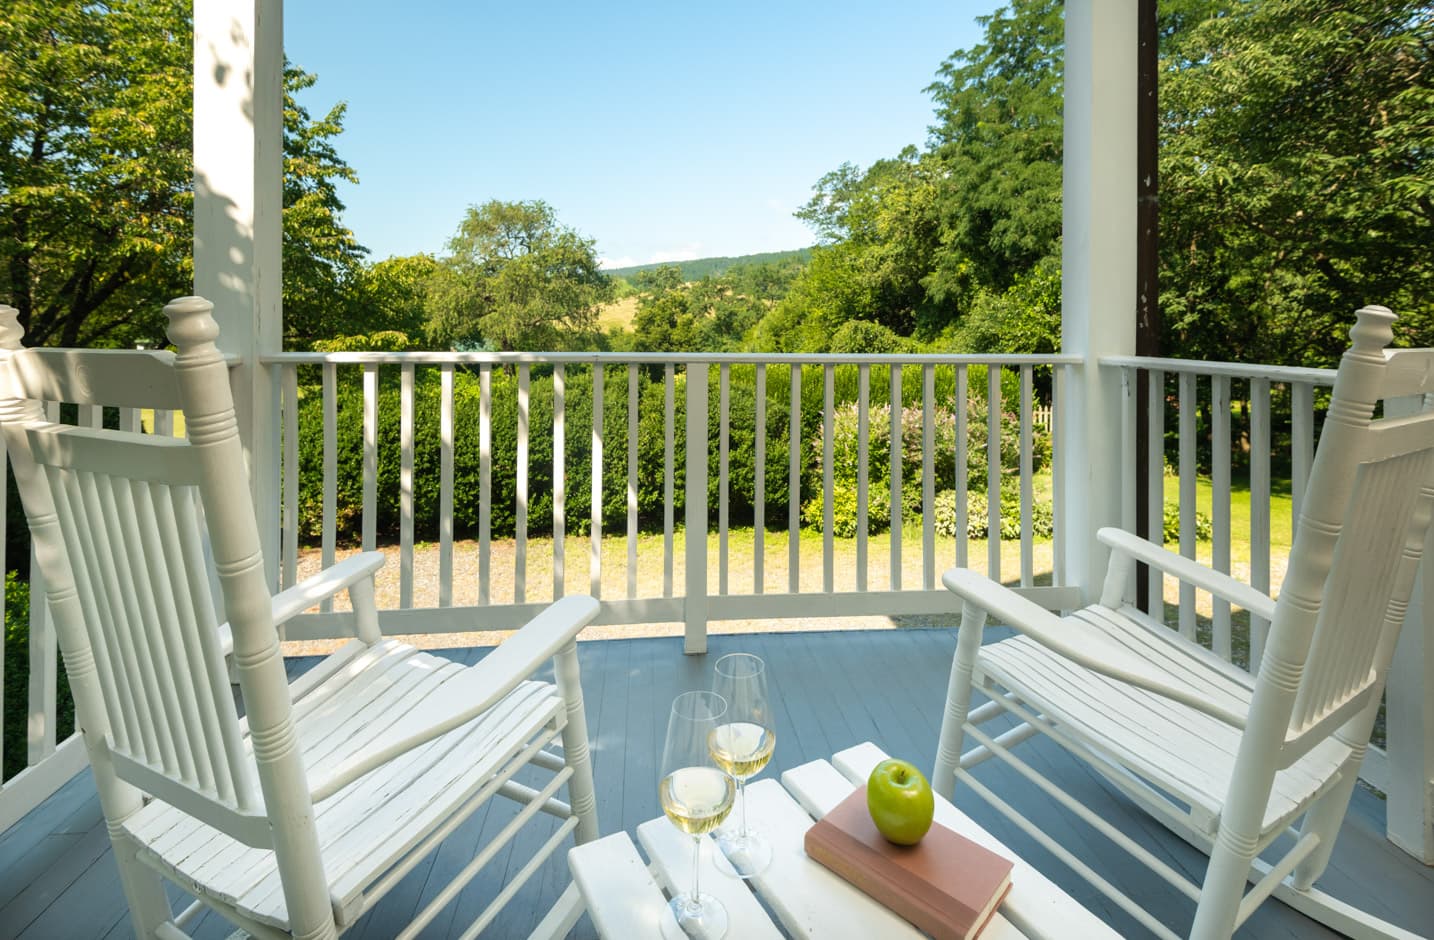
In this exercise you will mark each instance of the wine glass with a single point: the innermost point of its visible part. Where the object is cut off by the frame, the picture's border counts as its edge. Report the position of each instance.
(696, 797)
(742, 744)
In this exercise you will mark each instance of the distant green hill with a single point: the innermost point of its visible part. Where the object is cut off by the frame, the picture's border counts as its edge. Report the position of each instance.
(701, 267)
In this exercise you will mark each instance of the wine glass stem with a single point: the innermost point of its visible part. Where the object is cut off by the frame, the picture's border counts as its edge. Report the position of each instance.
(696, 869)
(742, 795)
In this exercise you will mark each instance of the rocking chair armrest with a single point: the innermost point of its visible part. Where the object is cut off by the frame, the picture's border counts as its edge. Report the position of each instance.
(463, 699)
(292, 601)
(1069, 638)
(1190, 572)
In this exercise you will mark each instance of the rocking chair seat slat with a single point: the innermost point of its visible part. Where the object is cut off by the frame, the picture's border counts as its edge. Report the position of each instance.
(1189, 754)
(359, 843)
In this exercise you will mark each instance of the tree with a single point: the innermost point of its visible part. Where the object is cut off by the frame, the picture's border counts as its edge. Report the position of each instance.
(515, 278)
(323, 261)
(96, 175)
(998, 143)
(710, 315)
(1296, 177)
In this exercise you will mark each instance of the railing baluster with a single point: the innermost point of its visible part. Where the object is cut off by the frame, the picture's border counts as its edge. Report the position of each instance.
(405, 488)
(328, 525)
(963, 446)
(485, 484)
(1129, 389)
(759, 484)
(794, 484)
(290, 406)
(669, 433)
(1301, 448)
(896, 453)
(993, 471)
(724, 433)
(520, 520)
(632, 427)
(1220, 507)
(1187, 497)
(863, 453)
(1155, 474)
(828, 483)
(695, 601)
(560, 483)
(1060, 379)
(370, 457)
(1027, 444)
(1259, 509)
(445, 486)
(129, 420)
(595, 540)
(928, 476)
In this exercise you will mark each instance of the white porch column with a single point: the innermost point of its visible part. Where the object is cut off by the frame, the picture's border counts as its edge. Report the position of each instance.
(238, 204)
(1098, 269)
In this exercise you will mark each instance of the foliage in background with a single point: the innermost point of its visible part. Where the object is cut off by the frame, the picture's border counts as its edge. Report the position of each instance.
(1313, 196)
(710, 315)
(17, 679)
(515, 279)
(96, 178)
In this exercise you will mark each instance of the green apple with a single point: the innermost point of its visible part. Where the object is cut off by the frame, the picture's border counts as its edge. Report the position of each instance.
(900, 801)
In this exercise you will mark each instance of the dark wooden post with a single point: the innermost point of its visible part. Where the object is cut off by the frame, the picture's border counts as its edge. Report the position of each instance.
(1147, 268)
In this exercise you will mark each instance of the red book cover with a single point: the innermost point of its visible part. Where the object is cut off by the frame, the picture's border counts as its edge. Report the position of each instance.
(946, 885)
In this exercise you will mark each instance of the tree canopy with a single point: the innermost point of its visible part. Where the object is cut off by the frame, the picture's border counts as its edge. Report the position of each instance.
(515, 278)
(96, 176)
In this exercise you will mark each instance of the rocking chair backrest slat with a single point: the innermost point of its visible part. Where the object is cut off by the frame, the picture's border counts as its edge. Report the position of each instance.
(116, 519)
(1357, 546)
(135, 555)
(1366, 586)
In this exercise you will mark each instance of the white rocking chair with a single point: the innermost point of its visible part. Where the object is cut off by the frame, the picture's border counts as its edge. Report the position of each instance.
(298, 818)
(1227, 760)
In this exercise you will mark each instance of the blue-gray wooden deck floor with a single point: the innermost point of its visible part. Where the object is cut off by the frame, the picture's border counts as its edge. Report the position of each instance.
(58, 880)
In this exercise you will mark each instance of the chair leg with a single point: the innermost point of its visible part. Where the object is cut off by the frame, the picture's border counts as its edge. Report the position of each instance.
(582, 796)
(1324, 819)
(958, 699)
(1224, 886)
(143, 889)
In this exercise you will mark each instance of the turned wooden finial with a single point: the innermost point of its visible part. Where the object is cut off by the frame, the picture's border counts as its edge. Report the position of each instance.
(11, 332)
(191, 323)
(1373, 328)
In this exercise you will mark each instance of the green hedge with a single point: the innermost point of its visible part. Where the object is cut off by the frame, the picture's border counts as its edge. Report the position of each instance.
(17, 679)
(651, 442)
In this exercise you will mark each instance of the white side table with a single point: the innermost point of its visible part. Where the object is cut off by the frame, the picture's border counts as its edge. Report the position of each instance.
(625, 897)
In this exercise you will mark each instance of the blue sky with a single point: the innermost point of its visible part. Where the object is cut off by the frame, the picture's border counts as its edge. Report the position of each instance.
(663, 131)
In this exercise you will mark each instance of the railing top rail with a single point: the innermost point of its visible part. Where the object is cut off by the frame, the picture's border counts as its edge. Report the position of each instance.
(1239, 370)
(660, 358)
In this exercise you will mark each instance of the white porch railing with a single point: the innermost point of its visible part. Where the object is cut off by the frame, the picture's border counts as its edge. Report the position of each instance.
(697, 588)
(723, 593)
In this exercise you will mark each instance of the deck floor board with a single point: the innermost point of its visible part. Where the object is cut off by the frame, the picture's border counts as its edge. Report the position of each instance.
(58, 879)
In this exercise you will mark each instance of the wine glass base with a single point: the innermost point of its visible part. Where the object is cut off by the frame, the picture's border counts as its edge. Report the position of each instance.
(748, 854)
(702, 917)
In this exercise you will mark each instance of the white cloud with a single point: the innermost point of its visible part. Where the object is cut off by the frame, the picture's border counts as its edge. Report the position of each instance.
(626, 261)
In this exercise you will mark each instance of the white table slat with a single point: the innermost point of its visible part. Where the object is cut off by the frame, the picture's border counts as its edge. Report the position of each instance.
(819, 787)
(623, 898)
(671, 854)
(1035, 905)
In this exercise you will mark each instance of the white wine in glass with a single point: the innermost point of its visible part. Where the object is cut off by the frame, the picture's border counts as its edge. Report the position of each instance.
(696, 796)
(742, 744)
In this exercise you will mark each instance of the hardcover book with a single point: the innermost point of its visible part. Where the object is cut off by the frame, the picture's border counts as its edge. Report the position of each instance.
(946, 885)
